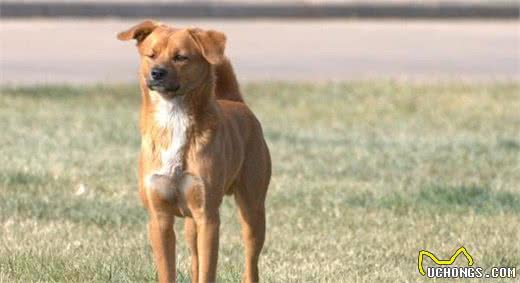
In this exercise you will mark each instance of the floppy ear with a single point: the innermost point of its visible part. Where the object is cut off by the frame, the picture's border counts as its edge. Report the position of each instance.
(212, 44)
(138, 32)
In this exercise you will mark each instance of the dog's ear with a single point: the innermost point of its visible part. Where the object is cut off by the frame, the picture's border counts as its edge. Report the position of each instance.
(138, 32)
(212, 44)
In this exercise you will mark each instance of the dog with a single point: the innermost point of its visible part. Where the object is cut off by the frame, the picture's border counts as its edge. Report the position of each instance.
(199, 142)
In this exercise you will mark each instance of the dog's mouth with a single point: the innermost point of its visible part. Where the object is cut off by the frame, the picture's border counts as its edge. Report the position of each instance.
(165, 90)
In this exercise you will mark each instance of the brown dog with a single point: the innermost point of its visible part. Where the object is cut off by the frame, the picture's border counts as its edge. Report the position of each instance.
(195, 148)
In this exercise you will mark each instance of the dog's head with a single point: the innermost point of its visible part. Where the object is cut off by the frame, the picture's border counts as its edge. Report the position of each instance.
(175, 61)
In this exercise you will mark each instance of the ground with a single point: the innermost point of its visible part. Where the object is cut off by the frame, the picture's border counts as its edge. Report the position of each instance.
(365, 175)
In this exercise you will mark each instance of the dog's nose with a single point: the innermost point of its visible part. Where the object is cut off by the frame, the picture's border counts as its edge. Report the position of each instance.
(158, 73)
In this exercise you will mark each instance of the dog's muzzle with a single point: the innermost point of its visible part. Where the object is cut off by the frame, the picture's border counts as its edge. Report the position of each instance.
(158, 81)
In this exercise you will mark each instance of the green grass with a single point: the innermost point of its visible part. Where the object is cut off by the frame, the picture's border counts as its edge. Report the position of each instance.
(364, 176)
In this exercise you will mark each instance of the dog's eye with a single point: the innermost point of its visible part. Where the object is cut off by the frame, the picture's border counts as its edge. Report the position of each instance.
(151, 55)
(180, 58)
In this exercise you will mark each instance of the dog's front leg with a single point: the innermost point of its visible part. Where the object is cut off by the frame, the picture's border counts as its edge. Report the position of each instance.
(207, 246)
(162, 238)
(190, 230)
(202, 229)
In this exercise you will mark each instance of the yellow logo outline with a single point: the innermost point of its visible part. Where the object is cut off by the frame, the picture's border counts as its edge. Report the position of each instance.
(450, 261)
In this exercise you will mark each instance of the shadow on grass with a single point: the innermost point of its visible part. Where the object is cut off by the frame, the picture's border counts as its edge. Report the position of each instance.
(19, 178)
(457, 199)
(49, 266)
(70, 91)
(89, 210)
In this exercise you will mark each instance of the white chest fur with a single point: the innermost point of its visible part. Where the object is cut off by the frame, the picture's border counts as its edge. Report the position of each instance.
(172, 114)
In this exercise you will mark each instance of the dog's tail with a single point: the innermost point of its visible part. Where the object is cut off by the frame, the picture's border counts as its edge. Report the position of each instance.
(227, 85)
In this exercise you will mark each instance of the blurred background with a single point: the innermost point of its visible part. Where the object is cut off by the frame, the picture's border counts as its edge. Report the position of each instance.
(74, 41)
(393, 127)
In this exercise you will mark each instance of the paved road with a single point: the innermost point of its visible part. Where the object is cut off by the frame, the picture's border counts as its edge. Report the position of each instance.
(86, 51)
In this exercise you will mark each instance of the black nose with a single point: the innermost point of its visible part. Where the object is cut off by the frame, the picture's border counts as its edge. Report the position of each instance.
(158, 73)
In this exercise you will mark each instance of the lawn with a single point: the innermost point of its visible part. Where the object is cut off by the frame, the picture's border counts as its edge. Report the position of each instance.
(365, 175)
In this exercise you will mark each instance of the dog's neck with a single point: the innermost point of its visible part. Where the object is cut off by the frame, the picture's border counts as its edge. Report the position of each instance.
(181, 117)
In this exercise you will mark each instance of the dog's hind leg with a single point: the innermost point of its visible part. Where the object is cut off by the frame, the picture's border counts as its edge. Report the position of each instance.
(168, 194)
(201, 227)
(252, 220)
(250, 193)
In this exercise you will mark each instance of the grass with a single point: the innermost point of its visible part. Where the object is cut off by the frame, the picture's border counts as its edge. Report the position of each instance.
(365, 175)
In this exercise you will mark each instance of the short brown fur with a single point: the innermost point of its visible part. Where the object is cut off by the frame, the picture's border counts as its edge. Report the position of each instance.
(224, 153)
